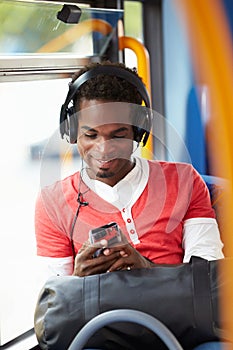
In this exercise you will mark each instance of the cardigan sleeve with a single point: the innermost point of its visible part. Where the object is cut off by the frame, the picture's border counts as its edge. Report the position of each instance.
(52, 240)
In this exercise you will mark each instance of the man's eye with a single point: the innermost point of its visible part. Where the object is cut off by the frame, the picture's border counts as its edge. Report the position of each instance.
(119, 136)
(90, 136)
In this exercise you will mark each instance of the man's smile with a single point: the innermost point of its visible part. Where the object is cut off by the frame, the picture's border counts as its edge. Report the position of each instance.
(105, 163)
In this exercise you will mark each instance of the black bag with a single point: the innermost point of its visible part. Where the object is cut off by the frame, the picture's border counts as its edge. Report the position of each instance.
(184, 297)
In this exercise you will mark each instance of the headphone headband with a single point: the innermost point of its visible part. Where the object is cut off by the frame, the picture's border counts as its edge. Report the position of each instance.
(92, 73)
(108, 70)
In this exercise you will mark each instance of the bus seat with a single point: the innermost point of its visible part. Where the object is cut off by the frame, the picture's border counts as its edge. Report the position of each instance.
(216, 187)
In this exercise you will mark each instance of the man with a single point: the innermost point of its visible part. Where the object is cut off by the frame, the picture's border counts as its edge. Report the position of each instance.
(163, 209)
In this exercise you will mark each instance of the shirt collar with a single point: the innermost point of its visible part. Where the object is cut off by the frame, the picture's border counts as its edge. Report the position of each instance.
(126, 191)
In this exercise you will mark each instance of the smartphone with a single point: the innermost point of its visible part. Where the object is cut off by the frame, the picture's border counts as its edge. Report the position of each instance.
(110, 232)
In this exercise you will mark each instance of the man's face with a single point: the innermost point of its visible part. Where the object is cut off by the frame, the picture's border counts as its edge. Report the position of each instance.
(105, 139)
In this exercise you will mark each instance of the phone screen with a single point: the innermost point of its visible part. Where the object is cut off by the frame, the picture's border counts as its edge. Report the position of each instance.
(109, 232)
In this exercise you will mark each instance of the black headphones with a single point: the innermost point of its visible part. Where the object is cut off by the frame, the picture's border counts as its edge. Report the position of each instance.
(69, 124)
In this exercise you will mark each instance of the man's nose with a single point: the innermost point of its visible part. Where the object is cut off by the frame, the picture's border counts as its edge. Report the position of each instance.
(105, 145)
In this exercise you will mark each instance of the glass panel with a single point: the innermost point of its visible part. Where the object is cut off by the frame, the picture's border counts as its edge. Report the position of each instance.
(133, 29)
(28, 126)
(133, 9)
(29, 27)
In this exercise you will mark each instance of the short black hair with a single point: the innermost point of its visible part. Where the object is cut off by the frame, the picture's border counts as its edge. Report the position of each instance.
(106, 87)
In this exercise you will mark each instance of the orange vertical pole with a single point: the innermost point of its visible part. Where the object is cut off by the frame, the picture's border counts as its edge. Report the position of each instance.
(212, 57)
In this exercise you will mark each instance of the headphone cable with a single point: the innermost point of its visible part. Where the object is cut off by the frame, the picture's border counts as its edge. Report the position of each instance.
(72, 230)
(81, 203)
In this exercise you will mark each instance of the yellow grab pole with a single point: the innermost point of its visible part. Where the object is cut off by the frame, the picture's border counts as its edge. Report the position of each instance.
(143, 61)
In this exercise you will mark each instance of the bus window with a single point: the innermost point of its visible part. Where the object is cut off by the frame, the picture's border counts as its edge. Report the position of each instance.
(132, 28)
(34, 74)
(44, 33)
(30, 115)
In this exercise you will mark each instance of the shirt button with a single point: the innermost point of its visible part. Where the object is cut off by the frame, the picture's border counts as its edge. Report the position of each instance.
(132, 232)
(128, 220)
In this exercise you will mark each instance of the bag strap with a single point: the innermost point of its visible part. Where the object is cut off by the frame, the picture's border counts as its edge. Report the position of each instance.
(91, 288)
(202, 295)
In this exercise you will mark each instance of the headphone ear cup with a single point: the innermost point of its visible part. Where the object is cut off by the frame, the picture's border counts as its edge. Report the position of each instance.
(72, 125)
(138, 133)
(142, 125)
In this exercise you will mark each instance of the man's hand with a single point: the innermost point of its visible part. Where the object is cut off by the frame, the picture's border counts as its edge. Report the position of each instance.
(129, 258)
(120, 257)
(85, 264)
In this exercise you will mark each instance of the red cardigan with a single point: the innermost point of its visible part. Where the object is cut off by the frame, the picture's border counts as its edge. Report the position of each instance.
(174, 193)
